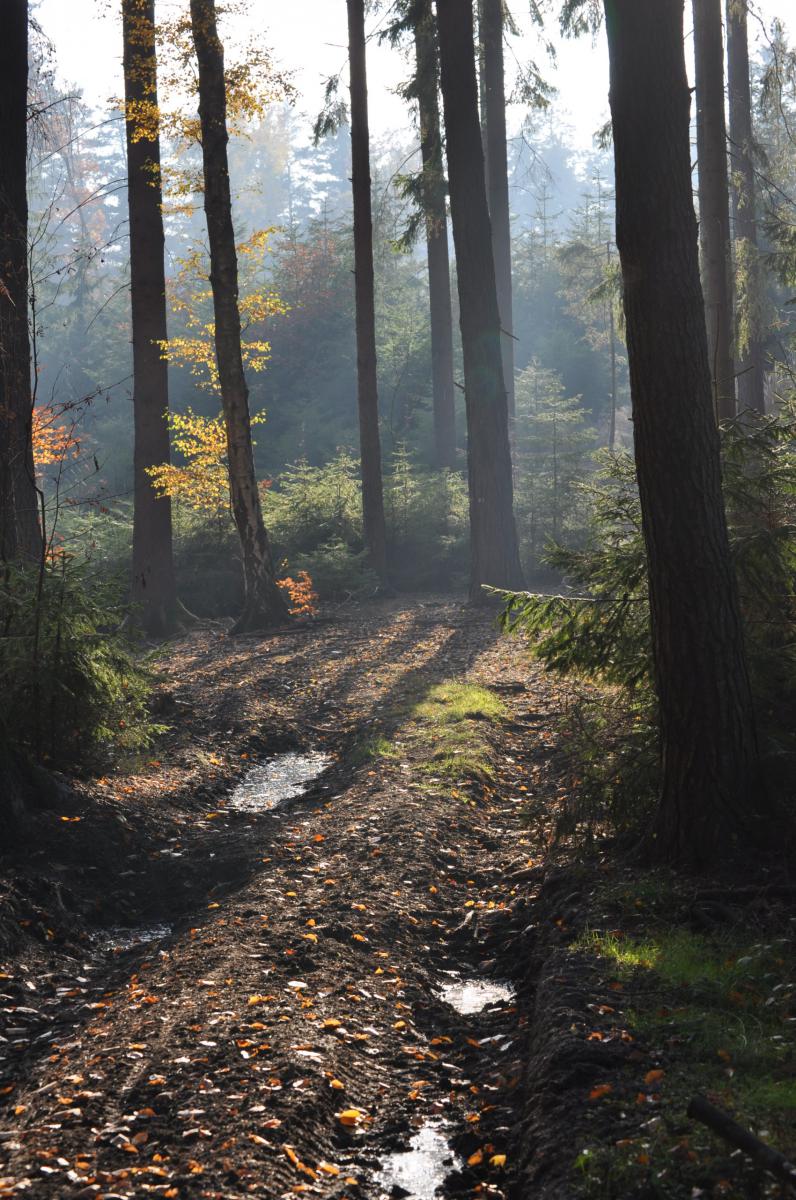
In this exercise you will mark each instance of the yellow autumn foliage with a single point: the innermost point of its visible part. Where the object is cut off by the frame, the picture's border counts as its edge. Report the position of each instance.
(201, 481)
(191, 299)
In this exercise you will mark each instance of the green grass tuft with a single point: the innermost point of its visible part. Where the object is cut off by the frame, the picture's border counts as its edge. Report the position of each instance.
(371, 748)
(450, 703)
(449, 730)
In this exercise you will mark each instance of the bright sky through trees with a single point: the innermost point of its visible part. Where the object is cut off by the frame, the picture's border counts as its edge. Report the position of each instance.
(309, 37)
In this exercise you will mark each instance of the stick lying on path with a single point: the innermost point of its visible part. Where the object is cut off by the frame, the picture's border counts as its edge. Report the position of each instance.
(701, 1110)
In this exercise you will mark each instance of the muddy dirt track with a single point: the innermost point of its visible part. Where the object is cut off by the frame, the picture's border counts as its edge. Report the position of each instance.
(290, 1030)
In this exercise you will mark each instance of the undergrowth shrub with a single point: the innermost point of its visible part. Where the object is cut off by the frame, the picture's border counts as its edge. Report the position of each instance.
(207, 562)
(553, 451)
(206, 553)
(337, 570)
(311, 506)
(598, 627)
(314, 519)
(426, 514)
(72, 696)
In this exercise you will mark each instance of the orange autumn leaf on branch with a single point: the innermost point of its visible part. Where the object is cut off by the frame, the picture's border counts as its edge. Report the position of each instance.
(52, 443)
(303, 599)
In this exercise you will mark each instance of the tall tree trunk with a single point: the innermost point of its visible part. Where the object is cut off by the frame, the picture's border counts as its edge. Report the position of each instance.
(710, 797)
(264, 604)
(493, 535)
(154, 587)
(491, 40)
(750, 363)
(20, 535)
(714, 200)
(436, 221)
(367, 383)
(612, 347)
(479, 16)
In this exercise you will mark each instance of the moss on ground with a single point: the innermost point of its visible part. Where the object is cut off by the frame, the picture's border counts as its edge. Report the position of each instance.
(450, 728)
(446, 732)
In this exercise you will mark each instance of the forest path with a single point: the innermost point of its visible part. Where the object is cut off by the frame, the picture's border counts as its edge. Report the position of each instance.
(290, 1034)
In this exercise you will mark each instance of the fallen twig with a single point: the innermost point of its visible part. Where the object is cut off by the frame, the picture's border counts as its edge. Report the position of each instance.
(702, 1110)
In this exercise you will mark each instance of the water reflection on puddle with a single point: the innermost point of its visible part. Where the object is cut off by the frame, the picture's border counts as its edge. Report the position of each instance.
(121, 938)
(422, 1169)
(469, 996)
(280, 779)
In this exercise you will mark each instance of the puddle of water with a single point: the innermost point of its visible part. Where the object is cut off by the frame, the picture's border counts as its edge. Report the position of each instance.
(469, 996)
(281, 778)
(422, 1169)
(120, 938)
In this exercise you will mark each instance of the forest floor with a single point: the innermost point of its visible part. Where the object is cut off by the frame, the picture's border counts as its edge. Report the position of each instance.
(199, 999)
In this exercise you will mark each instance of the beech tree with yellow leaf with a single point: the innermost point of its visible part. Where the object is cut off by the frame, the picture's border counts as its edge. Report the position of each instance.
(192, 301)
(264, 603)
(201, 481)
(245, 87)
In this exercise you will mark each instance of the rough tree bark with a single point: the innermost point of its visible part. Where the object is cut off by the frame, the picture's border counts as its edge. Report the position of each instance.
(714, 200)
(494, 121)
(20, 535)
(750, 360)
(154, 587)
(264, 604)
(493, 535)
(436, 222)
(710, 803)
(612, 350)
(367, 383)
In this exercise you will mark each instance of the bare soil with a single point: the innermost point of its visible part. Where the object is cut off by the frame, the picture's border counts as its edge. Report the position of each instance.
(289, 1032)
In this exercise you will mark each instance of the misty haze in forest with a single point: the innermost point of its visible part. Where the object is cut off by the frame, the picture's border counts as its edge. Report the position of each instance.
(397, 599)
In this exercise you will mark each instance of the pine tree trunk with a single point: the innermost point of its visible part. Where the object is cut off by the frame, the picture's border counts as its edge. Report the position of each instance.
(710, 800)
(493, 536)
(750, 362)
(436, 221)
(612, 346)
(264, 604)
(154, 588)
(20, 535)
(714, 201)
(491, 40)
(367, 383)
